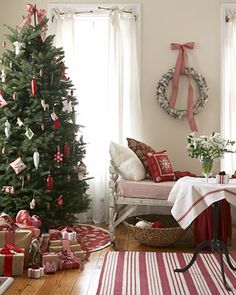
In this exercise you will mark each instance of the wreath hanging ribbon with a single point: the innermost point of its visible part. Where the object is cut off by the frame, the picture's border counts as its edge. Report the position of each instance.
(181, 68)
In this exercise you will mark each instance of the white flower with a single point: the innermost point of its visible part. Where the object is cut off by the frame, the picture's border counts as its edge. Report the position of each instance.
(209, 147)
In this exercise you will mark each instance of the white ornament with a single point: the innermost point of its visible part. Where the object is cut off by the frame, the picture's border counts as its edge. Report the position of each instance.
(32, 204)
(54, 116)
(19, 122)
(36, 159)
(67, 106)
(44, 105)
(143, 224)
(7, 129)
(3, 76)
(29, 133)
(18, 46)
(18, 165)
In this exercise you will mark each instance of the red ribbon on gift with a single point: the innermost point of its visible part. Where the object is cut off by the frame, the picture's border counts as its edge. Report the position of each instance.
(9, 250)
(31, 11)
(24, 220)
(181, 68)
(68, 260)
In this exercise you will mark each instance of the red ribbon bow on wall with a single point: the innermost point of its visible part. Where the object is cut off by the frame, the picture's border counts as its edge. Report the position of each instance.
(31, 11)
(181, 68)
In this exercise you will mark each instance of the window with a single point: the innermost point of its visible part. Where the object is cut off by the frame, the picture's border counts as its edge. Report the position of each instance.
(102, 55)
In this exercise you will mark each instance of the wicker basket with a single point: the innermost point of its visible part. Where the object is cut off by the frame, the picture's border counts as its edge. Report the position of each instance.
(158, 237)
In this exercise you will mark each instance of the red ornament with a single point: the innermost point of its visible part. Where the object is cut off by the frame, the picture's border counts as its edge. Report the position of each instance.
(58, 157)
(56, 123)
(49, 182)
(33, 87)
(66, 150)
(60, 201)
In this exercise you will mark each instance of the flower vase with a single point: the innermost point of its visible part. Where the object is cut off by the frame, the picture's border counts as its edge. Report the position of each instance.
(206, 167)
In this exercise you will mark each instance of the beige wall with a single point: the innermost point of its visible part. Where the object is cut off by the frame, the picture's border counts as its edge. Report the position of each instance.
(163, 22)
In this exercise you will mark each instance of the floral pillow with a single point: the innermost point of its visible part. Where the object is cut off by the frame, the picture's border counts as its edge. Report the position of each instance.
(141, 149)
(160, 166)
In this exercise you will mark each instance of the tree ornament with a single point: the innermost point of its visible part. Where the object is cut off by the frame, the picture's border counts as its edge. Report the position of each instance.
(44, 105)
(18, 46)
(14, 96)
(63, 69)
(4, 150)
(33, 86)
(4, 43)
(82, 170)
(56, 124)
(28, 177)
(3, 76)
(42, 126)
(36, 159)
(68, 178)
(48, 206)
(22, 178)
(3, 102)
(19, 122)
(60, 201)
(10, 65)
(52, 77)
(54, 116)
(32, 204)
(18, 165)
(41, 72)
(7, 129)
(58, 157)
(8, 189)
(29, 133)
(67, 105)
(67, 150)
(49, 183)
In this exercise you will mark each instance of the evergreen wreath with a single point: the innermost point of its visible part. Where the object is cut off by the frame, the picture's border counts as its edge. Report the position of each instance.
(164, 102)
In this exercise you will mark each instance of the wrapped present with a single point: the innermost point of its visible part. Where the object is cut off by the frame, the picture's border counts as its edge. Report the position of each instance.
(35, 272)
(222, 178)
(57, 249)
(25, 221)
(50, 262)
(55, 234)
(11, 261)
(68, 261)
(80, 254)
(20, 238)
(59, 243)
(68, 234)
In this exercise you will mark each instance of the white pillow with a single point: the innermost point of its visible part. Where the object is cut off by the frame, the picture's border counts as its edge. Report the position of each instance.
(126, 162)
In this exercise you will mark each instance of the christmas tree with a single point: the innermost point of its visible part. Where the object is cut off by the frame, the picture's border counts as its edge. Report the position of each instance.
(42, 148)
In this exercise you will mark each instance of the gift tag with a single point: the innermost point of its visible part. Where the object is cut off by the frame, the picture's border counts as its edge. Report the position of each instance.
(54, 116)
(18, 165)
(29, 133)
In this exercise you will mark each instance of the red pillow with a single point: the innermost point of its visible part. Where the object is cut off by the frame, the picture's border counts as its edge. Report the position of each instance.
(160, 166)
(141, 149)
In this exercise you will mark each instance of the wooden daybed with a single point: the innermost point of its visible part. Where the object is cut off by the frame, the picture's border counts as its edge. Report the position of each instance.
(126, 195)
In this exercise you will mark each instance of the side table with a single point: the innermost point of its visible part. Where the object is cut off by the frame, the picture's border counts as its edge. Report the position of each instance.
(215, 245)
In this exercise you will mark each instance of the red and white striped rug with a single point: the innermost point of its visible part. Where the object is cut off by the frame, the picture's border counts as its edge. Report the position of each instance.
(152, 273)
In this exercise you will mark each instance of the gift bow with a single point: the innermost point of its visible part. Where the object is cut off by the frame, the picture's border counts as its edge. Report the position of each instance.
(31, 11)
(10, 249)
(180, 68)
(24, 220)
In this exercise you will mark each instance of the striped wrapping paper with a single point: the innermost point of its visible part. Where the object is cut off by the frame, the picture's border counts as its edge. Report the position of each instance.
(152, 273)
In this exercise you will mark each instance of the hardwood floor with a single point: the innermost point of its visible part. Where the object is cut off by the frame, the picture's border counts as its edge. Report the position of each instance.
(76, 282)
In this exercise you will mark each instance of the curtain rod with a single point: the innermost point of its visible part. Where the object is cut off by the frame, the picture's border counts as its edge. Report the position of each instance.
(229, 14)
(92, 11)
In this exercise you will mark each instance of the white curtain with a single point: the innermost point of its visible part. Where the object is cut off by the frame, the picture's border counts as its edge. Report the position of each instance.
(228, 105)
(229, 92)
(101, 54)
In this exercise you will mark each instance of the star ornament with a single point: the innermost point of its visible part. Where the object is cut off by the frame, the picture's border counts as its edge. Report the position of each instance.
(58, 157)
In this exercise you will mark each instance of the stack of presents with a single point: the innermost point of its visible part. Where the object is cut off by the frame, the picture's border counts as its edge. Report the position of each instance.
(24, 250)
